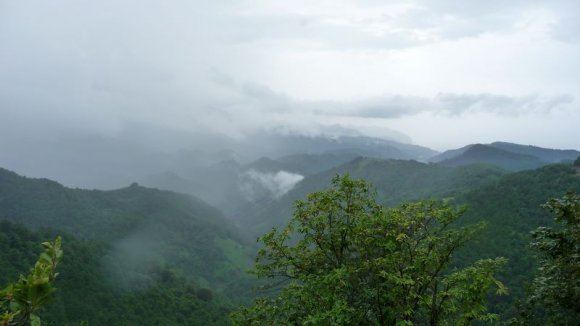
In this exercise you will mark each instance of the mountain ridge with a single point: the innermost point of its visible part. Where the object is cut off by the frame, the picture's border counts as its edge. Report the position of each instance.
(509, 156)
(146, 226)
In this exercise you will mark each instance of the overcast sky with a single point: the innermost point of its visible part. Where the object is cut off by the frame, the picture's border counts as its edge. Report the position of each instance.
(445, 73)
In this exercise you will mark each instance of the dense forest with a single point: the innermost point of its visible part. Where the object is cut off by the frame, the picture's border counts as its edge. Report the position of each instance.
(86, 292)
(143, 256)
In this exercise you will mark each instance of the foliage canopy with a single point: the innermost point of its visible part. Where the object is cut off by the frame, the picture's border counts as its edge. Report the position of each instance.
(344, 259)
(20, 301)
(555, 290)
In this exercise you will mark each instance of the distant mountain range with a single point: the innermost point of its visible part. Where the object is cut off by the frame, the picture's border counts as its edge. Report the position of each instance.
(147, 154)
(232, 185)
(279, 145)
(509, 156)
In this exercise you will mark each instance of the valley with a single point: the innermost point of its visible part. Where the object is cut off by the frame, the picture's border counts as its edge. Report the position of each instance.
(161, 240)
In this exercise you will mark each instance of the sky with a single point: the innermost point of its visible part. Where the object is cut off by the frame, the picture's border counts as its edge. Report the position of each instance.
(442, 73)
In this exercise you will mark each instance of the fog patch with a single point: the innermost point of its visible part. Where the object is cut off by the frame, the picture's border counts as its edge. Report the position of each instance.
(255, 184)
(135, 262)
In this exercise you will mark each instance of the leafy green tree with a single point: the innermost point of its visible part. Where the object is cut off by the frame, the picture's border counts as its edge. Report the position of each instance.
(343, 259)
(20, 301)
(555, 292)
(577, 162)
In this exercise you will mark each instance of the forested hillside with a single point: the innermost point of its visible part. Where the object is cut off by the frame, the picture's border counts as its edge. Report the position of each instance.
(233, 181)
(509, 204)
(87, 293)
(395, 180)
(144, 227)
(135, 247)
(512, 208)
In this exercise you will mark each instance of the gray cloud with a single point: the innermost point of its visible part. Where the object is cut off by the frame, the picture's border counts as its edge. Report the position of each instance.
(380, 25)
(167, 75)
(500, 104)
(396, 106)
(390, 107)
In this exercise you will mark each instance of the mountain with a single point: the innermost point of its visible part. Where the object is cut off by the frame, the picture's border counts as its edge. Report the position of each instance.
(544, 154)
(110, 160)
(142, 253)
(276, 145)
(449, 154)
(145, 227)
(509, 203)
(511, 207)
(395, 180)
(236, 182)
(87, 294)
(231, 185)
(509, 156)
(216, 184)
(478, 154)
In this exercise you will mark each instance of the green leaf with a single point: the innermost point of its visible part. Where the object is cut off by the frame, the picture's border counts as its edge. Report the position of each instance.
(34, 320)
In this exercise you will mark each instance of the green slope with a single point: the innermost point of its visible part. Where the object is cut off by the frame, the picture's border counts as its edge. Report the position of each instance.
(511, 207)
(145, 227)
(87, 294)
(509, 203)
(395, 180)
(225, 184)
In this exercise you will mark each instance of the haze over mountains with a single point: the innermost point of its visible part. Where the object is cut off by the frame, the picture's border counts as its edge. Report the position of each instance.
(162, 137)
(140, 242)
(95, 161)
(232, 173)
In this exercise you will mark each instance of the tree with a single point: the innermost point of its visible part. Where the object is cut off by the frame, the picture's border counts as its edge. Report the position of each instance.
(577, 162)
(344, 259)
(20, 301)
(555, 291)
